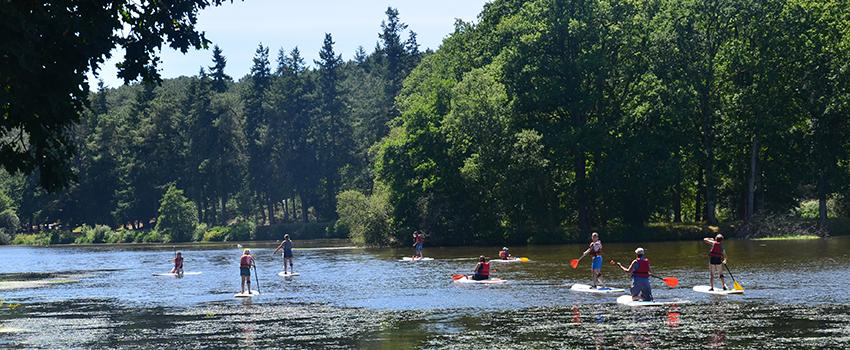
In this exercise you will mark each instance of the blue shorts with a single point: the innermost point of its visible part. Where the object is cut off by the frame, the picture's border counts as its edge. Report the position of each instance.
(419, 247)
(287, 254)
(642, 288)
(596, 263)
(245, 271)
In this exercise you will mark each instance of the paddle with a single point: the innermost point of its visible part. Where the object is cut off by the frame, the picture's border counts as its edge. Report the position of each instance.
(671, 282)
(256, 279)
(735, 283)
(574, 263)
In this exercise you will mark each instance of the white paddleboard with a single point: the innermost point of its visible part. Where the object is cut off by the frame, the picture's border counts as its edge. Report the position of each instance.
(627, 300)
(717, 291)
(288, 274)
(466, 279)
(578, 287)
(407, 258)
(175, 275)
(511, 260)
(246, 295)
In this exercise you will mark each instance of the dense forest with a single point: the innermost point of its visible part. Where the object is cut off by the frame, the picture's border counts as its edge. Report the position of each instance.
(539, 122)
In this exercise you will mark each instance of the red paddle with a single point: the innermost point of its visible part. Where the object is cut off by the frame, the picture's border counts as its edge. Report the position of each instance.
(574, 263)
(671, 282)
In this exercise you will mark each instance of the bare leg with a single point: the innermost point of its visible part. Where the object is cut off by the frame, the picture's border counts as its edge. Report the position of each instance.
(711, 278)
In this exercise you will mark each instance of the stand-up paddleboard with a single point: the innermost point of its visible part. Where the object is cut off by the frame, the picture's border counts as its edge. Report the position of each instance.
(407, 258)
(288, 274)
(176, 275)
(627, 300)
(511, 260)
(578, 287)
(717, 291)
(466, 279)
(253, 293)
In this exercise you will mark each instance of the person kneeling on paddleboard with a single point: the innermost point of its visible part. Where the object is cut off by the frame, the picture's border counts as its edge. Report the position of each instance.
(716, 260)
(640, 271)
(482, 270)
(245, 264)
(595, 252)
(178, 263)
(286, 246)
(504, 254)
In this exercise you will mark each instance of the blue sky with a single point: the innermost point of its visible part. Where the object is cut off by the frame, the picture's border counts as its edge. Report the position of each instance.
(239, 27)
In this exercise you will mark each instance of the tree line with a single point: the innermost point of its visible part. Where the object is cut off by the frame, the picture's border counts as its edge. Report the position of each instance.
(546, 119)
(275, 146)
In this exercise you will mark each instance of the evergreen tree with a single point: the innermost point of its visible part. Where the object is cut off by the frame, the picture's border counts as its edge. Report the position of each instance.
(219, 78)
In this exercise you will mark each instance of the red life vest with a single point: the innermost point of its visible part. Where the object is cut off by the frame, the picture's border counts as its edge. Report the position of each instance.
(716, 250)
(484, 270)
(595, 253)
(178, 262)
(503, 254)
(418, 239)
(245, 261)
(641, 268)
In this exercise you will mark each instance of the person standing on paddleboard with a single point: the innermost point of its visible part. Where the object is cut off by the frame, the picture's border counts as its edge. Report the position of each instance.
(482, 270)
(178, 264)
(716, 260)
(640, 271)
(286, 246)
(246, 261)
(595, 252)
(418, 244)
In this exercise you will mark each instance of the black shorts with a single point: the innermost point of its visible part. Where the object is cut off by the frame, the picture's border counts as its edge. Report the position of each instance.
(715, 260)
(245, 271)
(477, 277)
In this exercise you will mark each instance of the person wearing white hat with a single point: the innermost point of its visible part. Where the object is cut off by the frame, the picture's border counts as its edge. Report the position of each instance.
(640, 270)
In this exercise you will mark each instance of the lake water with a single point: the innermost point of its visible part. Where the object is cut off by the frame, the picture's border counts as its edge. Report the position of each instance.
(346, 297)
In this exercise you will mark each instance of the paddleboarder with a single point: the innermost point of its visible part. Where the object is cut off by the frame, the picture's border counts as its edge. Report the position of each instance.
(246, 261)
(640, 270)
(504, 254)
(286, 246)
(716, 260)
(178, 264)
(482, 270)
(418, 244)
(595, 252)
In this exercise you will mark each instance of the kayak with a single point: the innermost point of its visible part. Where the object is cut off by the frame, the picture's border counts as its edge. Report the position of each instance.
(169, 274)
(246, 295)
(511, 260)
(716, 291)
(407, 258)
(578, 287)
(288, 274)
(466, 279)
(627, 300)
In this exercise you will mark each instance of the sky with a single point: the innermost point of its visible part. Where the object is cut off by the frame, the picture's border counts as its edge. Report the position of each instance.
(240, 26)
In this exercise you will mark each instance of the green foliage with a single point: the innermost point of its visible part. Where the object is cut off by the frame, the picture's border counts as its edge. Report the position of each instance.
(365, 217)
(217, 234)
(94, 235)
(242, 231)
(32, 239)
(177, 218)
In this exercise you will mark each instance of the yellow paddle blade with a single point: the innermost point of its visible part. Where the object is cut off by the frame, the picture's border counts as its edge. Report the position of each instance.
(523, 259)
(737, 286)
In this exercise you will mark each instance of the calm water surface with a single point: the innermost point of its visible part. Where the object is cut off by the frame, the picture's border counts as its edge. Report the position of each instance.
(796, 296)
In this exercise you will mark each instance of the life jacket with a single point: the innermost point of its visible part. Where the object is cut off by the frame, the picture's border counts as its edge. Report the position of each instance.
(641, 268)
(594, 253)
(245, 261)
(503, 254)
(484, 269)
(716, 250)
(178, 262)
(418, 239)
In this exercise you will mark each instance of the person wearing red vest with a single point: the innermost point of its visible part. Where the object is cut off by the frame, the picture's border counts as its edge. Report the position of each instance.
(418, 244)
(716, 259)
(482, 269)
(640, 270)
(246, 261)
(504, 254)
(178, 264)
(595, 252)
